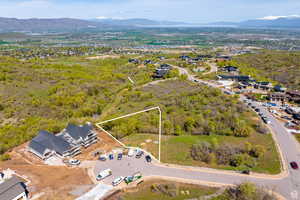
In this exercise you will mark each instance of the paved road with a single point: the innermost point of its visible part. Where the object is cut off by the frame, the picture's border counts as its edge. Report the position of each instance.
(287, 185)
(213, 68)
(128, 166)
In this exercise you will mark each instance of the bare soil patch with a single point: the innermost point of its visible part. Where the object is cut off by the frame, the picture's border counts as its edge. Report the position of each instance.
(55, 182)
(105, 144)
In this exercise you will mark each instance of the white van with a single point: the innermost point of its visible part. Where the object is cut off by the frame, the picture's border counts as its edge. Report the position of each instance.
(103, 174)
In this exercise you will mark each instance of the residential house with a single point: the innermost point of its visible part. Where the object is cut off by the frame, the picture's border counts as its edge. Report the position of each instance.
(263, 85)
(279, 88)
(160, 73)
(79, 135)
(146, 62)
(46, 144)
(230, 69)
(13, 189)
(294, 96)
(133, 60)
(165, 66)
(245, 85)
(277, 97)
(235, 78)
(183, 57)
(65, 144)
(194, 61)
(204, 56)
(221, 58)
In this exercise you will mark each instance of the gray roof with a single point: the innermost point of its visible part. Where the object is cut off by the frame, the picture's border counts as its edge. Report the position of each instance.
(77, 132)
(45, 140)
(11, 188)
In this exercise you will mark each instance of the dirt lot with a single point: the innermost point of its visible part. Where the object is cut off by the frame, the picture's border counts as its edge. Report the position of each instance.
(105, 144)
(55, 181)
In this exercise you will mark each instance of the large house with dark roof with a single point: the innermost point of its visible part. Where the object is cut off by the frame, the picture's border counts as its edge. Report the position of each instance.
(162, 71)
(46, 144)
(263, 85)
(79, 135)
(65, 144)
(294, 96)
(234, 78)
(13, 189)
(230, 68)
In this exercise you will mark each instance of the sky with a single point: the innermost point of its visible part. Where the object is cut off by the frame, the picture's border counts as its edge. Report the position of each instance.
(196, 11)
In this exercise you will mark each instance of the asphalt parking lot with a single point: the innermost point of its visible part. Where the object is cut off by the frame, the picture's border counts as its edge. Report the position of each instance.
(125, 167)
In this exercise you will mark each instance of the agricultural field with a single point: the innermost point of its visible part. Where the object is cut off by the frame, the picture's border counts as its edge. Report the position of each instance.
(211, 129)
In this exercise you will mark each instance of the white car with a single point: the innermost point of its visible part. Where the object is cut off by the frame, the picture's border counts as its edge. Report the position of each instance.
(103, 174)
(74, 162)
(132, 152)
(118, 180)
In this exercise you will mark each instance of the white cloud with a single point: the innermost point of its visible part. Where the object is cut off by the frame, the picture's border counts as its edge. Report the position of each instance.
(103, 17)
(278, 17)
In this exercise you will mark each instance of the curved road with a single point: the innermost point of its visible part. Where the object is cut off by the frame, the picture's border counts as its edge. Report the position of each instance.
(287, 184)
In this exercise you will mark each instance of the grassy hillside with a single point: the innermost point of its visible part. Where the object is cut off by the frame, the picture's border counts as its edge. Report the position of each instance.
(190, 108)
(281, 66)
(47, 94)
(210, 128)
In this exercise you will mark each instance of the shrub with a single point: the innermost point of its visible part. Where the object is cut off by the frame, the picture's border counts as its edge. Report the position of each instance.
(4, 157)
(237, 160)
(245, 191)
(201, 152)
(258, 151)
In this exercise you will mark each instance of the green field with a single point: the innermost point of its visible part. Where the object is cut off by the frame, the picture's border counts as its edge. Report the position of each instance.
(176, 150)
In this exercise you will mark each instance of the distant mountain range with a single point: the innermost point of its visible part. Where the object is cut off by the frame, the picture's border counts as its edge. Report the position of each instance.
(46, 25)
(136, 22)
(267, 22)
(68, 24)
